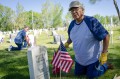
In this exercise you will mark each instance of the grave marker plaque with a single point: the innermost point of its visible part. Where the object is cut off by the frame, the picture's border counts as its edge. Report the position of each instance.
(38, 62)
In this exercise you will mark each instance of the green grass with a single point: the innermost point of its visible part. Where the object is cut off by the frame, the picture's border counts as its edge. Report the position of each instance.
(14, 64)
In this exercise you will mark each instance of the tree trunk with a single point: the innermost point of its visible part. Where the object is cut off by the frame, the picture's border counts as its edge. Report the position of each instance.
(116, 6)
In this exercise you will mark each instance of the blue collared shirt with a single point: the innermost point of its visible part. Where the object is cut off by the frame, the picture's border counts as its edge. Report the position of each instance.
(20, 37)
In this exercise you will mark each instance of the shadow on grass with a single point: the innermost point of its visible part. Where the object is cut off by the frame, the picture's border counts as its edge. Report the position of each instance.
(115, 60)
(15, 76)
(13, 65)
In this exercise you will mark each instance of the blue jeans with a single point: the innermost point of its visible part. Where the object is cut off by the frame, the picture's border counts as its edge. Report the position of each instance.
(90, 70)
(19, 47)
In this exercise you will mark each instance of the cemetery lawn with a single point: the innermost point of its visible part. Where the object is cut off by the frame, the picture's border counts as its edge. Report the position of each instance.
(14, 64)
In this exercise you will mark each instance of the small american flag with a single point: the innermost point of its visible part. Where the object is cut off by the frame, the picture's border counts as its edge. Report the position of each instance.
(62, 59)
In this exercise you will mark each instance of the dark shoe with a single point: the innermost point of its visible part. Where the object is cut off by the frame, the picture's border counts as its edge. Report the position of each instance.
(110, 66)
(6, 49)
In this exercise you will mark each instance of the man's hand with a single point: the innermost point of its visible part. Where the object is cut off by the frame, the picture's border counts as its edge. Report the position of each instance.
(29, 44)
(66, 45)
(103, 58)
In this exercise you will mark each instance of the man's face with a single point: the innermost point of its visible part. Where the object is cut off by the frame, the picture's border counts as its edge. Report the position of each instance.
(77, 13)
(26, 29)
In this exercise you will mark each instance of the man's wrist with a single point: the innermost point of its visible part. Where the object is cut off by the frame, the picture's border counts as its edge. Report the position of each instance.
(104, 51)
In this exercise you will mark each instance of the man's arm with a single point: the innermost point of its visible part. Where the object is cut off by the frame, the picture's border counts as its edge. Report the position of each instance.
(68, 43)
(27, 40)
(106, 43)
(103, 57)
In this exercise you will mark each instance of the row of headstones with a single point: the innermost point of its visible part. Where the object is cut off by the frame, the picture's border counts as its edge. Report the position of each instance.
(31, 37)
(56, 38)
(36, 31)
(55, 35)
(31, 34)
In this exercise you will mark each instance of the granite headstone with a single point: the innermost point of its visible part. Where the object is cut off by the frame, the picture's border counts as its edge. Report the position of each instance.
(38, 62)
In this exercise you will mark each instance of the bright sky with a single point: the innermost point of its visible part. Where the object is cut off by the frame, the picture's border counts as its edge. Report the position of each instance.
(104, 7)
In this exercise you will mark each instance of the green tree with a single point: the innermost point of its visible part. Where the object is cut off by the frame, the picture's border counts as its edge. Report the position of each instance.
(100, 18)
(37, 23)
(5, 18)
(57, 16)
(107, 20)
(115, 20)
(68, 18)
(20, 16)
(51, 15)
(1, 15)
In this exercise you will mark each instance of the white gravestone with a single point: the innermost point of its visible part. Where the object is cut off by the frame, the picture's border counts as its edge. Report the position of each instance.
(111, 33)
(119, 38)
(31, 40)
(1, 39)
(57, 39)
(12, 37)
(54, 33)
(38, 63)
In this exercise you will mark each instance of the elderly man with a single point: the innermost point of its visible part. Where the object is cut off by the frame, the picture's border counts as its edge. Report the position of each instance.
(86, 33)
(19, 39)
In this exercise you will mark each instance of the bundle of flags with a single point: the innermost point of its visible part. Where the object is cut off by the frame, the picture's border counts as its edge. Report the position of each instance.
(61, 60)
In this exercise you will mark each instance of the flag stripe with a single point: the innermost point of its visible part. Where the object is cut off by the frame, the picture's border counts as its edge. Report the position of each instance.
(70, 65)
(57, 62)
(60, 63)
(66, 59)
(65, 66)
(55, 70)
(63, 62)
(55, 59)
(65, 56)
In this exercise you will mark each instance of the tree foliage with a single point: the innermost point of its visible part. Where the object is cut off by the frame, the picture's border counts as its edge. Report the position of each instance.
(20, 17)
(68, 18)
(51, 15)
(106, 20)
(5, 18)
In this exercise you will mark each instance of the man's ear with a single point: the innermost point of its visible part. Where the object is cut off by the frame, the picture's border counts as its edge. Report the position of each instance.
(83, 11)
